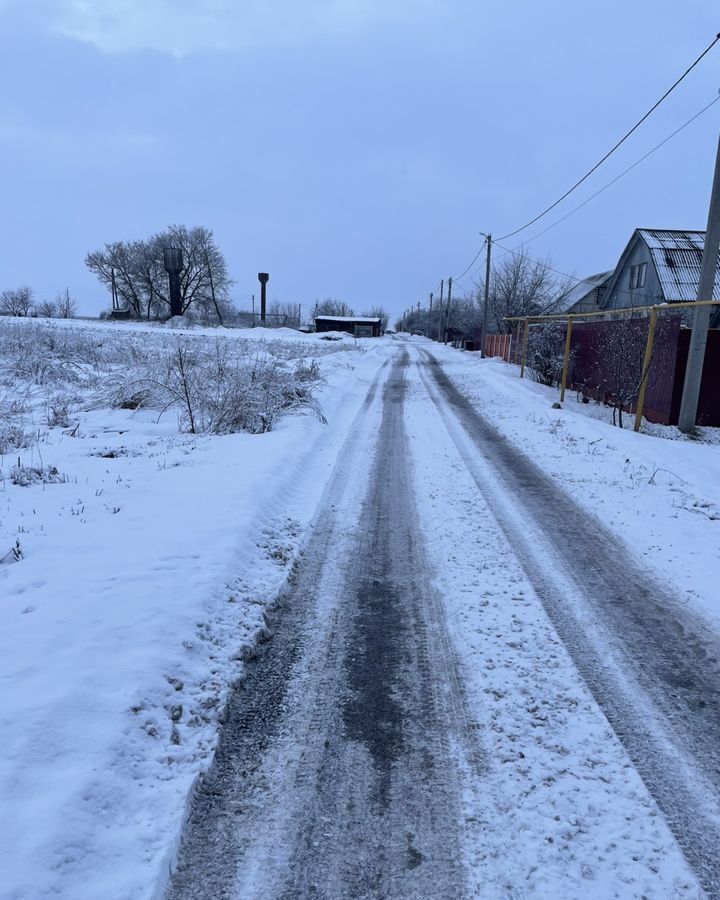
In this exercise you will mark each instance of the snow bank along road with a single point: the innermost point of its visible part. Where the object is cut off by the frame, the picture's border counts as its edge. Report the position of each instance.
(416, 729)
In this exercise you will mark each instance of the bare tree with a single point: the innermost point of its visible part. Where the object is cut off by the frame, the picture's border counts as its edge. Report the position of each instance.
(47, 309)
(65, 305)
(118, 264)
(520, 286)
(138, 272)
(17, 302)
(379, 312)
(287, 314)
(331, 307)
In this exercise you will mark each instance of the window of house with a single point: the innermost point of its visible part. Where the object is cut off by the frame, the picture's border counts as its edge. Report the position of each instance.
(637, 275)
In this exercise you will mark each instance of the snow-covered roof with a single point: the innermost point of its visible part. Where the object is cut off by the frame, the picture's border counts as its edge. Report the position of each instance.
(677, 256)
(369, 320)
(582, 289)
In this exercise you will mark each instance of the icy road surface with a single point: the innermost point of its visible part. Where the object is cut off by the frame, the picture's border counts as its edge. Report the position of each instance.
(416, 729)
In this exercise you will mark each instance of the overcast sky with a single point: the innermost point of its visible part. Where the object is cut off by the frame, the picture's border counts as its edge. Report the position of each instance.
(351, 148)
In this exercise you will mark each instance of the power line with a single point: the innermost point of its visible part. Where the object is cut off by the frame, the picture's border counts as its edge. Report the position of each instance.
(475, 259)
(540, 262)
(615, 147)
(602, 189)
(625, 172)
(598, 192)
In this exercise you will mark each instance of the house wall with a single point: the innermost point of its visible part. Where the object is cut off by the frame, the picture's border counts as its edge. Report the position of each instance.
(587, 304)
(621, 296)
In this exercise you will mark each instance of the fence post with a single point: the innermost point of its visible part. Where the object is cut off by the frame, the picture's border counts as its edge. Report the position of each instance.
(566, 358)
(524, 348)
(646, 368)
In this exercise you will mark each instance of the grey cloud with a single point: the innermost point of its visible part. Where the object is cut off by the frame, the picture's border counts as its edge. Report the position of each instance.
(182, 27)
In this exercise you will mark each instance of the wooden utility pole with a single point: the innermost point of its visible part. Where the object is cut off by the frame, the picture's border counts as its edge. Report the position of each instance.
(430, 329)
(488, 245)
(701, 320)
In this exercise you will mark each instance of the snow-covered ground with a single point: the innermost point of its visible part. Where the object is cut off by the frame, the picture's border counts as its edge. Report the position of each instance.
(657, 490)
(564, 812)
(148, 557)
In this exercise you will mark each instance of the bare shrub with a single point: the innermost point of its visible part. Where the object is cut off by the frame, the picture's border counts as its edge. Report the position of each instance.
(226, 391)
(620, 349)
(12, 437)
(546, 352)
(57, 412)
(220, 389)
(215, 385)
(24, 476)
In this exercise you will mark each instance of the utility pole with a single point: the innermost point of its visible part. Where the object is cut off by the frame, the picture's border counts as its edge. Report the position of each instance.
(253, 310)
(488, 245)
(440, 309)
(447, 314)
(430, 317)
(701, 321)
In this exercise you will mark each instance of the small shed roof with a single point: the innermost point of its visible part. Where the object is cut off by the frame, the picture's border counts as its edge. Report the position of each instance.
(576, 293)
(677, 256)
(365, 320)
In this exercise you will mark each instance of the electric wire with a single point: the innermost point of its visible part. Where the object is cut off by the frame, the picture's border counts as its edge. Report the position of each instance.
(625, 172)
(596, 194)
(616, 146)
(520, 252)
(475, 259)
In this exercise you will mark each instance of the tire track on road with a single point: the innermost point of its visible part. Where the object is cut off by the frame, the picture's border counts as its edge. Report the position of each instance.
(342, 765)
(652, 666)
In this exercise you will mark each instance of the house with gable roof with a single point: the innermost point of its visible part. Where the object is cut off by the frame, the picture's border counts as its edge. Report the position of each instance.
(585, 296)
(659, 266)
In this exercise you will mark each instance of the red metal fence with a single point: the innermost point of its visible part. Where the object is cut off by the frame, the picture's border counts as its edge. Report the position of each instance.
(499, 345)
(589, 369)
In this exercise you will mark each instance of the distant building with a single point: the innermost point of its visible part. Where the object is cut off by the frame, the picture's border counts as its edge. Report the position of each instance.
(659, 267)
(586, 295)
(360, 326)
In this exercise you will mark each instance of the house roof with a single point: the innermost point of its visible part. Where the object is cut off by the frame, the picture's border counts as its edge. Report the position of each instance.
(364, 320)
(677, 256)
(576, 293)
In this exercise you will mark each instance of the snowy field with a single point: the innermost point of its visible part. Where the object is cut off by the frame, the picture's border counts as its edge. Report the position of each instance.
(138, 559)
(148, 555)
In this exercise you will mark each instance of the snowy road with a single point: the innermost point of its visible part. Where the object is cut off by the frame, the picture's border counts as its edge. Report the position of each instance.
(340, 768)
(354, 763)
(652, 667)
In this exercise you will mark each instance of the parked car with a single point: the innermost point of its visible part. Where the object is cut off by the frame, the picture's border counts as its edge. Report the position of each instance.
(418, 332)
(390, 331)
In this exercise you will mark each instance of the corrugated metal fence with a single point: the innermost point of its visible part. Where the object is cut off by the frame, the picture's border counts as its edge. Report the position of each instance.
(590, 368)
